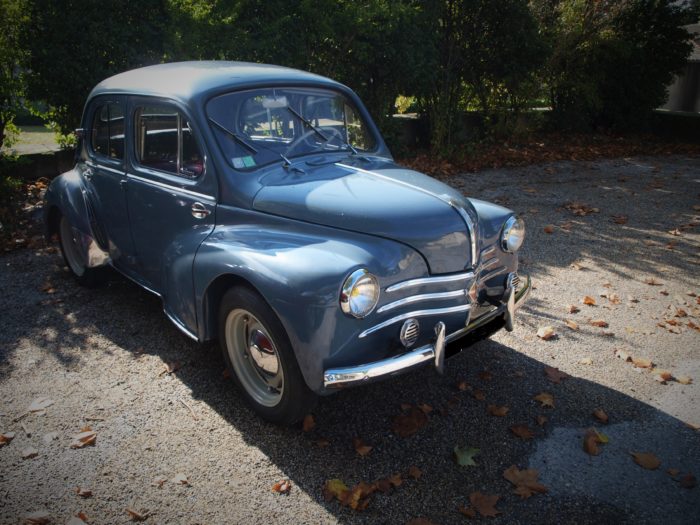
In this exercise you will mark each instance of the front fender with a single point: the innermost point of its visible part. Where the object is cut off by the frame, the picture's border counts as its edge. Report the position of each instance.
(299, 269)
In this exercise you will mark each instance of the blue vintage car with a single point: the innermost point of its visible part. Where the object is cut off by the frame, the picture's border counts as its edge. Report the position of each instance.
(262, 205)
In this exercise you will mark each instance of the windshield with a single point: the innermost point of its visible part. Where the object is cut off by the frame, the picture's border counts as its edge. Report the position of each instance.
(261, 126)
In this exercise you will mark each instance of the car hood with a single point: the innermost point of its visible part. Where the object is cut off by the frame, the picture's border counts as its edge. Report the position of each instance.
(380, 198)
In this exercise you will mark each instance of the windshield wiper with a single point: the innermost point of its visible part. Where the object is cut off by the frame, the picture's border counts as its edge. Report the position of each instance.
(309, 124)
(235, 136)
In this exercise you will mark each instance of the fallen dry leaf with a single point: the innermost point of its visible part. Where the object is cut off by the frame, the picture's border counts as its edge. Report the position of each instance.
(425, 408)
(86, 437)
(159, 482)
(546, 333)
(334, 488)
(498, 411)
(600, 415)
(572, 309)
(6, 438)
(83, 492)
(361, 447)
(663, 375)
(522, 431)
(29, 453)
(39, 404)
(38, 517)
(136, 515)
(308, 423)
(554, 374)
(577, 266)
(684, 380)
(549, 228)
(485, 504)
(619, 219)
(409, 422)
(571, 324)
(652, 282)
(614, 298)
(673, 472)
(646, 460)
(464, 456)
(282, 487)
(525, 481)
(462, 386)
(622, 354)
(180, 479)
(545, 399)
(469, 512)
(485, 375)
(479, 395)
(76, 520)
(323, 443)
(541, 420)
(641, 362)
(585, 361)
(414, 472)
(688, 481)
(599, 323)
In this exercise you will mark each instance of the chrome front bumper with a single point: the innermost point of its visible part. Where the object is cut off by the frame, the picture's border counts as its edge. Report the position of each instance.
(335, 378)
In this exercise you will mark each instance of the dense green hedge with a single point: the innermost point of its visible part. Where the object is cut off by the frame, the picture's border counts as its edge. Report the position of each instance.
(596, 63)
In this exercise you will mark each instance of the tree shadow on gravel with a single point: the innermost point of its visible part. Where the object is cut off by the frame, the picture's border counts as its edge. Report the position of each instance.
(582, 488)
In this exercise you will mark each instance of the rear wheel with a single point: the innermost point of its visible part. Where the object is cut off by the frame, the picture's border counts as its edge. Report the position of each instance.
(260, 359)
(74, 256)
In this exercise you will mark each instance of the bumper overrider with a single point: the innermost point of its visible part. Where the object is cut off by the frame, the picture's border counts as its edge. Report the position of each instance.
(434, 352)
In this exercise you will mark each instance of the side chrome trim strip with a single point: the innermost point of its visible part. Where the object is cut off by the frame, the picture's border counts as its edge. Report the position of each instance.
(181, 326)
(168, 187)
(418, 298)
(430, 280)
(417, 313)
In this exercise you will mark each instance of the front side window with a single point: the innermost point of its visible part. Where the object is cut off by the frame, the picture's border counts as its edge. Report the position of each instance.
(261, 126)
(165, 142)
(108, 131)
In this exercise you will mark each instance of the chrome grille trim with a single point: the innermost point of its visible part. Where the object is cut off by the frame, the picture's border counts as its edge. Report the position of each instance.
(418, 298)
(488, 252)
(417, 313)
(493, 273)
(488, 264)
(430, 280)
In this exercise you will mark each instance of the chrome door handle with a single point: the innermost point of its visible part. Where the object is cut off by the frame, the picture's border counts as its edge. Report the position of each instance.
(199, 211)
(88, 172)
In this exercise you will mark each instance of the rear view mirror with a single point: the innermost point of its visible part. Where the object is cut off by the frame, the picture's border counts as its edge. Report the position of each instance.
(274, 102)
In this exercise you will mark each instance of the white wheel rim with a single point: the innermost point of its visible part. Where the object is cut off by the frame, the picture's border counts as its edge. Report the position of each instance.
(254, 357)
(71, 248)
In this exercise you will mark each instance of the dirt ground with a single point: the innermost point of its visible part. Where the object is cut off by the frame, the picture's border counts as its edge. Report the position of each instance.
(175, 442)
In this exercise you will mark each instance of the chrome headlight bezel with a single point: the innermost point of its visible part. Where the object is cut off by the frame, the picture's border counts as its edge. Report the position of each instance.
(360, 283)
(513, 234)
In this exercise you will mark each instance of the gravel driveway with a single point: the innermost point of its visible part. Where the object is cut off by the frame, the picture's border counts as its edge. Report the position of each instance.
(176, 444)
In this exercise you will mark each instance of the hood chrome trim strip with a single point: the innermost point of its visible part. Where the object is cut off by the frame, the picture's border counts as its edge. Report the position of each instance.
(430, 280)
(471, 225)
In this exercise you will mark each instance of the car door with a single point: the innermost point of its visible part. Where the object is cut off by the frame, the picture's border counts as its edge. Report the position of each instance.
(105, 175)
(171, 200)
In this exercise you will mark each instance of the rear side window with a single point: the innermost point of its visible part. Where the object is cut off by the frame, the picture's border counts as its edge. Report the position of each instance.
(164, 141)
(108, 131)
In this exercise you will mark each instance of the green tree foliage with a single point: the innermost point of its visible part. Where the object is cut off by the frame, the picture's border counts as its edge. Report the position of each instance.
(74, 44)
(484, 55)
(13, 20)
(611, 60)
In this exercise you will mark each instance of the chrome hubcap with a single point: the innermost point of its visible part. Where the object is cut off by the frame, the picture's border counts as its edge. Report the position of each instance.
(71, 248)
(254, 357)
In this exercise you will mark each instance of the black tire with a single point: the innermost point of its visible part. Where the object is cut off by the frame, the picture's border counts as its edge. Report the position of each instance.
(88, 277)
(260, 359)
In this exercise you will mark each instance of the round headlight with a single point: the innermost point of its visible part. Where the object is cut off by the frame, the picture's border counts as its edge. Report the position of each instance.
(360, 294)
(513, 234)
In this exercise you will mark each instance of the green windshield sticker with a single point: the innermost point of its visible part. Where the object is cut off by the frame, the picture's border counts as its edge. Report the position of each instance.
(243, 162)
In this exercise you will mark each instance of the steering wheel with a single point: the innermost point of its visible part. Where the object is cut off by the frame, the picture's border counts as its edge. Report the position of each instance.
(302, 139)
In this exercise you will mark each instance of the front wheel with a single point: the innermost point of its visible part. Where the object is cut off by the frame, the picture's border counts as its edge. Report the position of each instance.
(259, 357)
(75, 258)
